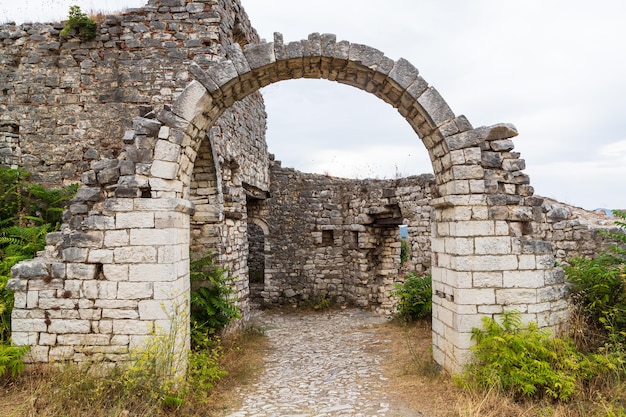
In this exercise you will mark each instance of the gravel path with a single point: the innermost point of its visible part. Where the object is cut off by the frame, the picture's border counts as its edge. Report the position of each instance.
(320, 365)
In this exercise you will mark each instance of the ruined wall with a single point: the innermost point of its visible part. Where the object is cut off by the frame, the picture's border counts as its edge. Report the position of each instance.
(323, 241)
(73, 110)
(65, 105)
(339, 238)
(69, 102)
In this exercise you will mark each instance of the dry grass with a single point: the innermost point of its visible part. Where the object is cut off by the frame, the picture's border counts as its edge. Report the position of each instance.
(47, 391)
(415, 385)
(420, 387)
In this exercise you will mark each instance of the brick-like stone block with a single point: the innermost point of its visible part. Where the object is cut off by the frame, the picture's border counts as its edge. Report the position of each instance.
(511, 297)
(132, 327)
(135, 290)
(497, 245)
(60, 326)
(134, 220)
(135, 254)
(81, 271)
(115, 272)
(475, 296)
(144, 237)
(152, 272)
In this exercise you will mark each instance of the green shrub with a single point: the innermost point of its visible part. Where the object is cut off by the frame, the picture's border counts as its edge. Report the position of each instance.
(598, 288)
(415, 296)
(79, 24)
(212, 305)
(405, 251)
(27, 213)
(11, 360)
(526, 361)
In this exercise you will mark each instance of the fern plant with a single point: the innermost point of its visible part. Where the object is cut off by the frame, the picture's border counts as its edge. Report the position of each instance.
(212, 304)
(10, 360)
(28, 212)
(526, 361)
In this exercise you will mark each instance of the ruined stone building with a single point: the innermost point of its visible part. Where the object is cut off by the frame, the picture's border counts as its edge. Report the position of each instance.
(161, 121)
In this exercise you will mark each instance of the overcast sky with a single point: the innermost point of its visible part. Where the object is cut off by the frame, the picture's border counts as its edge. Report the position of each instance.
(556, 69)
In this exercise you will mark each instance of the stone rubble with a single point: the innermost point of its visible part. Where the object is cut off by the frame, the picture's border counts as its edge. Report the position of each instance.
(320, 365)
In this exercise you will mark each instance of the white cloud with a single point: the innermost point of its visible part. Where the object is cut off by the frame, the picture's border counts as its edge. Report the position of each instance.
(554, 68)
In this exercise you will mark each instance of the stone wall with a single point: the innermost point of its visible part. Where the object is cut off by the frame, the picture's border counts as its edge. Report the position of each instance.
(323, 240)
(51, 88)
(338, 239)
(94, 111)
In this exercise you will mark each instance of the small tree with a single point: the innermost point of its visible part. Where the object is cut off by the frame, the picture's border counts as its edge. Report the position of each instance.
(79, 24)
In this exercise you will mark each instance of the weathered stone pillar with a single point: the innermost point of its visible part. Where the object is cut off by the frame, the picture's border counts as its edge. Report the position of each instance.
(102, 292)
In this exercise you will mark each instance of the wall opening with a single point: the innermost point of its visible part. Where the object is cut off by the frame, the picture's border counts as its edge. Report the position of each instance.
(256, 262)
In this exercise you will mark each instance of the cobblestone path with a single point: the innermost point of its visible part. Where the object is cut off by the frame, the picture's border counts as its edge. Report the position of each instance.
(320, 365)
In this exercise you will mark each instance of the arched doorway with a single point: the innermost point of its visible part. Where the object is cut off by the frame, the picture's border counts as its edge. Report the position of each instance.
(484, 255)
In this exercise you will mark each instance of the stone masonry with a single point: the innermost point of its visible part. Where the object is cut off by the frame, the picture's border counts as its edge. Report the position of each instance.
(161, 119)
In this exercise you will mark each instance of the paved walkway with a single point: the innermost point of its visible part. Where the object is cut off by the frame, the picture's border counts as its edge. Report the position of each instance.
(320, 365)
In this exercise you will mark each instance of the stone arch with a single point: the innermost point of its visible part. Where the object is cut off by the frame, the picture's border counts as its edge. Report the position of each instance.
(485, 258)
(484, 255)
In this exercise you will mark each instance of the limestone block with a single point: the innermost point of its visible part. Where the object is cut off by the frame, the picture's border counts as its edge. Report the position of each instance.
(107, 290)
(260, 55)
(166, 151)
(24, 338)
(513, 164)
(192, 101)
(171, 220)
(492, 245)
(100, 256)
(75, 254)
(487, 279)
(60, 326)
(132, 327)
(46, 339)
(155, 310)
(40, 284)
(61, 353)
(20, 299)
(118, 204)
(485, 263)
(467, 172)
(37, 354)
(145, 237)
(134, 220)
(403, 73)
(169, 254)
(513, 296)
(152, 272)
(56, 303)
(32, 299)
(113, 238)
(29, 269)
(472, 228)
(119, 314)
(115, 272)
(235, 54)
(527, 262)
(490, 309)
(501, 131)
(81, 271)
(524, 279)
(83, 339)
(459, 245)
(467, 139)
(475, 296)
(168, 290)
(164, 185)
(164, 169)
(134, 290)
(365, 55)
(135, 254)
